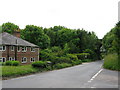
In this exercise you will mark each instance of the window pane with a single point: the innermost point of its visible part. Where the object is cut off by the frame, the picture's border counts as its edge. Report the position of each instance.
(18, 48)
(32, 49)
(0, 59)
(12, 48)
(3, 47)
(3, 59)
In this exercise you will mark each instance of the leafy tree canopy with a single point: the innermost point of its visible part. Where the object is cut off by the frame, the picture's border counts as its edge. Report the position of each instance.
(9, 27)
(35, 34)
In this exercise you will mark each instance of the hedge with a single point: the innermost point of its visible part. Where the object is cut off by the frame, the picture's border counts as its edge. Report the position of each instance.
(83, 56)
(39, 64)
(12, 63)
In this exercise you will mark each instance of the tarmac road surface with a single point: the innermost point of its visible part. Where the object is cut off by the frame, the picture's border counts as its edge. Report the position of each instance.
(87, 75)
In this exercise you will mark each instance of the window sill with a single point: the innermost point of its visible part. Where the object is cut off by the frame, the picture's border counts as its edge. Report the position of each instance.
(2, 50)
(24, 51)
(24, 62)
(32, 51)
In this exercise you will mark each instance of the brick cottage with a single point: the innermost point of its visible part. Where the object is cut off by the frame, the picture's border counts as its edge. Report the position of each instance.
(14, 48)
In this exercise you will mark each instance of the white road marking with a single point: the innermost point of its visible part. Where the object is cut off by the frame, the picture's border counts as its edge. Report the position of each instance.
(95, 75)
(93, 87)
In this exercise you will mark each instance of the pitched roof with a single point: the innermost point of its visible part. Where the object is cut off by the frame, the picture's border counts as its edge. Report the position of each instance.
(8, 39)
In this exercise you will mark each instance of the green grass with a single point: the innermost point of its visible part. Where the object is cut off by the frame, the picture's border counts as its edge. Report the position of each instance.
(14, 71)
(111, 62)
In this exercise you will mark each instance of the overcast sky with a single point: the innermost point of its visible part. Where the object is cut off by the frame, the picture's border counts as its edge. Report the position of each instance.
(92, 15)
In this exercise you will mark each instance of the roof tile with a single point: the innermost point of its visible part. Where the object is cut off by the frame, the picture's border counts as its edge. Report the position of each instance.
(8, 39)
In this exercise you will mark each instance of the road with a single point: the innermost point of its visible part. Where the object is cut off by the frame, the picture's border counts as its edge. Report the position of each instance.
(87, 75)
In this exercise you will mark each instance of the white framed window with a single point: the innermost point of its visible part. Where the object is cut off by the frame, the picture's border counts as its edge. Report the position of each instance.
(2, 48)
(32, 59)
(32, 49)
(24, 60)
(12, 48)
(24, 49)
(18, 48)
(11, 58)
(2, 59)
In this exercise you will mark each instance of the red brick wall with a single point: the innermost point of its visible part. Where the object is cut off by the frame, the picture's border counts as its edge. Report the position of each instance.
(17, 34)
(28, 54)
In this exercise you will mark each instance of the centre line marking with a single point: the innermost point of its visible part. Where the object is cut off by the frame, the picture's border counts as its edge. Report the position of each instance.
(95, 75)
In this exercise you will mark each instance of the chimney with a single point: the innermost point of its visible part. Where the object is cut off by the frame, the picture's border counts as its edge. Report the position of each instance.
(16, 33)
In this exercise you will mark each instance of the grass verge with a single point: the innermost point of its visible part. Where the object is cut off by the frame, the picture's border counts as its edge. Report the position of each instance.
(111, 62)
(17, 71)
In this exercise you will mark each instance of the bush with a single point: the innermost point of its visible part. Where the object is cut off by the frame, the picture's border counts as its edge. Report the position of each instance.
(56, 49)
(111, 62)
(15, 63)
(56, 60)
(39, 64)
(83, 56)
(91, 56)
(76, 62)
(44, 55)
(63, 60)
(72, 57)
(12, 63)
(61, 65)
(2, 63)
(47, 55)
(86, 60)
(8, 63)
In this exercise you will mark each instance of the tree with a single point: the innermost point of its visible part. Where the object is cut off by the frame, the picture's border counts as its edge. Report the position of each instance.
(0, 29)
(109, 41)
(117, 34)
(66, 48)
(9, 27)
(65, 35)
(35, 34)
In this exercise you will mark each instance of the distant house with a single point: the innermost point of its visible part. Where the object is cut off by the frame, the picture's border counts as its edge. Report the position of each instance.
(14, 48)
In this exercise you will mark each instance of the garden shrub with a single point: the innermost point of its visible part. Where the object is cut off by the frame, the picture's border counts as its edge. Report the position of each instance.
(47, 55)
(15, 63)
(72, 57)
(86, 60)
(39, 64)
(8, 63)
(56, 49)
(46, 50)
(61, 65)
(92, 54)
(2, 63)
(64, 60)
(12, 63)
(49, 68)
(77, 62)
(83, 56)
